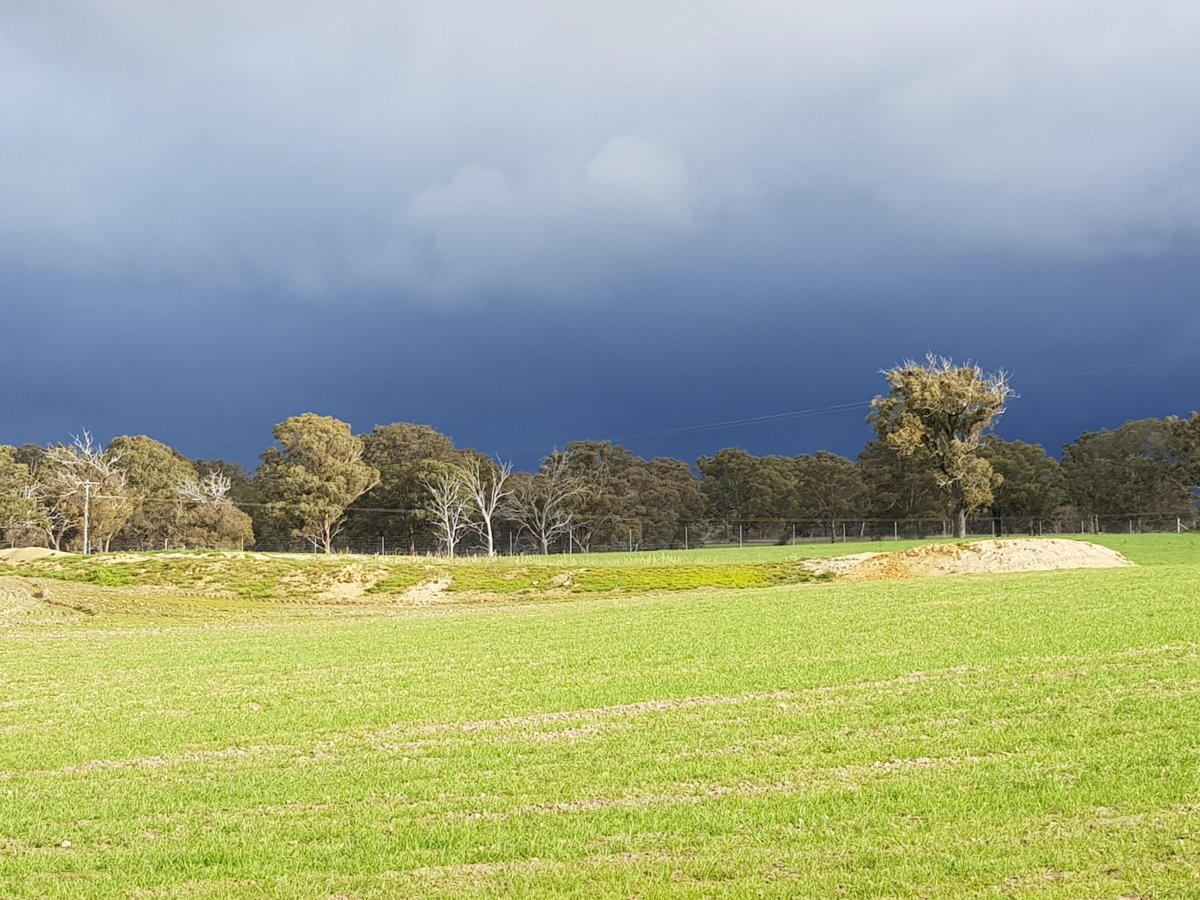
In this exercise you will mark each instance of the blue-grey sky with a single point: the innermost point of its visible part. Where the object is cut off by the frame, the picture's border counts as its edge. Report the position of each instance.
(525, 223)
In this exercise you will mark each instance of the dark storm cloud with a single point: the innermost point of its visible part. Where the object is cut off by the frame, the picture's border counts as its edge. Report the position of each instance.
(526, 222)
(452, 149)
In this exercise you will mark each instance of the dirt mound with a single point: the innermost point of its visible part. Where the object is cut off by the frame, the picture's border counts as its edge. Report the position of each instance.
(19, 555)
(348, 583)
(426, 593)
(978, 557)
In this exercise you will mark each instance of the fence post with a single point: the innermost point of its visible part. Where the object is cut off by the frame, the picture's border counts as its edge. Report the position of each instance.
(793, 534)
(896, 530)
(740, 541)
(843, 532)
(685, 537)
(1131, 526)
(510, 553)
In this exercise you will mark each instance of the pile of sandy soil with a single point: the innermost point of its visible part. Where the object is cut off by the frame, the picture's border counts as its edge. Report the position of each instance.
(18, 555)
(426, 593)
(348, 583)
(1021, 555)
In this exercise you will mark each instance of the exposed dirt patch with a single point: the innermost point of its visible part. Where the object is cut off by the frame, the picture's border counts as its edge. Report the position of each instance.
(348, 583)
(343, 590)
(16, 556)
(565, 579)
(426, 593)
(977, 557)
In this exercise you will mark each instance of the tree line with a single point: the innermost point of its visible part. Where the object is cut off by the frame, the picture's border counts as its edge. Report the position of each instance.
(406, 488)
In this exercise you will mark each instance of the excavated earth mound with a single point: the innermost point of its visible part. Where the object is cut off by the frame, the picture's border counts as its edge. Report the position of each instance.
(978, 557)
(25, 554)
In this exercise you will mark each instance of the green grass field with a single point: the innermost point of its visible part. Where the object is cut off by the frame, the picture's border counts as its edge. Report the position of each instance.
(680, 724)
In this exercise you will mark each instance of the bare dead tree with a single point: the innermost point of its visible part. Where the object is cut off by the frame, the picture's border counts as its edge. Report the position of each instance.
(84, 455)
(450, 504)
(545, 505)
(212, 489)
(81, 486)
(487, 485)
(207, 517)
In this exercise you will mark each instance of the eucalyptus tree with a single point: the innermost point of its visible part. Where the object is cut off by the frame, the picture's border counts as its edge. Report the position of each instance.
(1185, 445)
(828, 488)
(899, 487)
(664, 501)
(312, 474)
(396, 510)
(941, 411)
(19, 512)
(1131, 471)
(730, 482)
(1033, 486)
(152, 470)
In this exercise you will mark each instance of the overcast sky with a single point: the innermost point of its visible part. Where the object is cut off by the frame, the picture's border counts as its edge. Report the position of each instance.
(528, 222)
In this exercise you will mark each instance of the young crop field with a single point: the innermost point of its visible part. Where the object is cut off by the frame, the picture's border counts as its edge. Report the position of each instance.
(681, 724)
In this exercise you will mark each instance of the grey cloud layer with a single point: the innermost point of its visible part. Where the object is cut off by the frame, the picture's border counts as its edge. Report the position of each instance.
(443, 151)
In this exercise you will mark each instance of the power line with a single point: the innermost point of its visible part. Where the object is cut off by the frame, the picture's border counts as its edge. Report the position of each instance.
(1116, 364)
(1164, 355)
(714, 426)
(1088, 369)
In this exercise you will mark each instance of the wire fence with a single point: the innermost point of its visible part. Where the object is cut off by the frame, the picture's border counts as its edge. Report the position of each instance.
(633, 535)
(413, 532)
